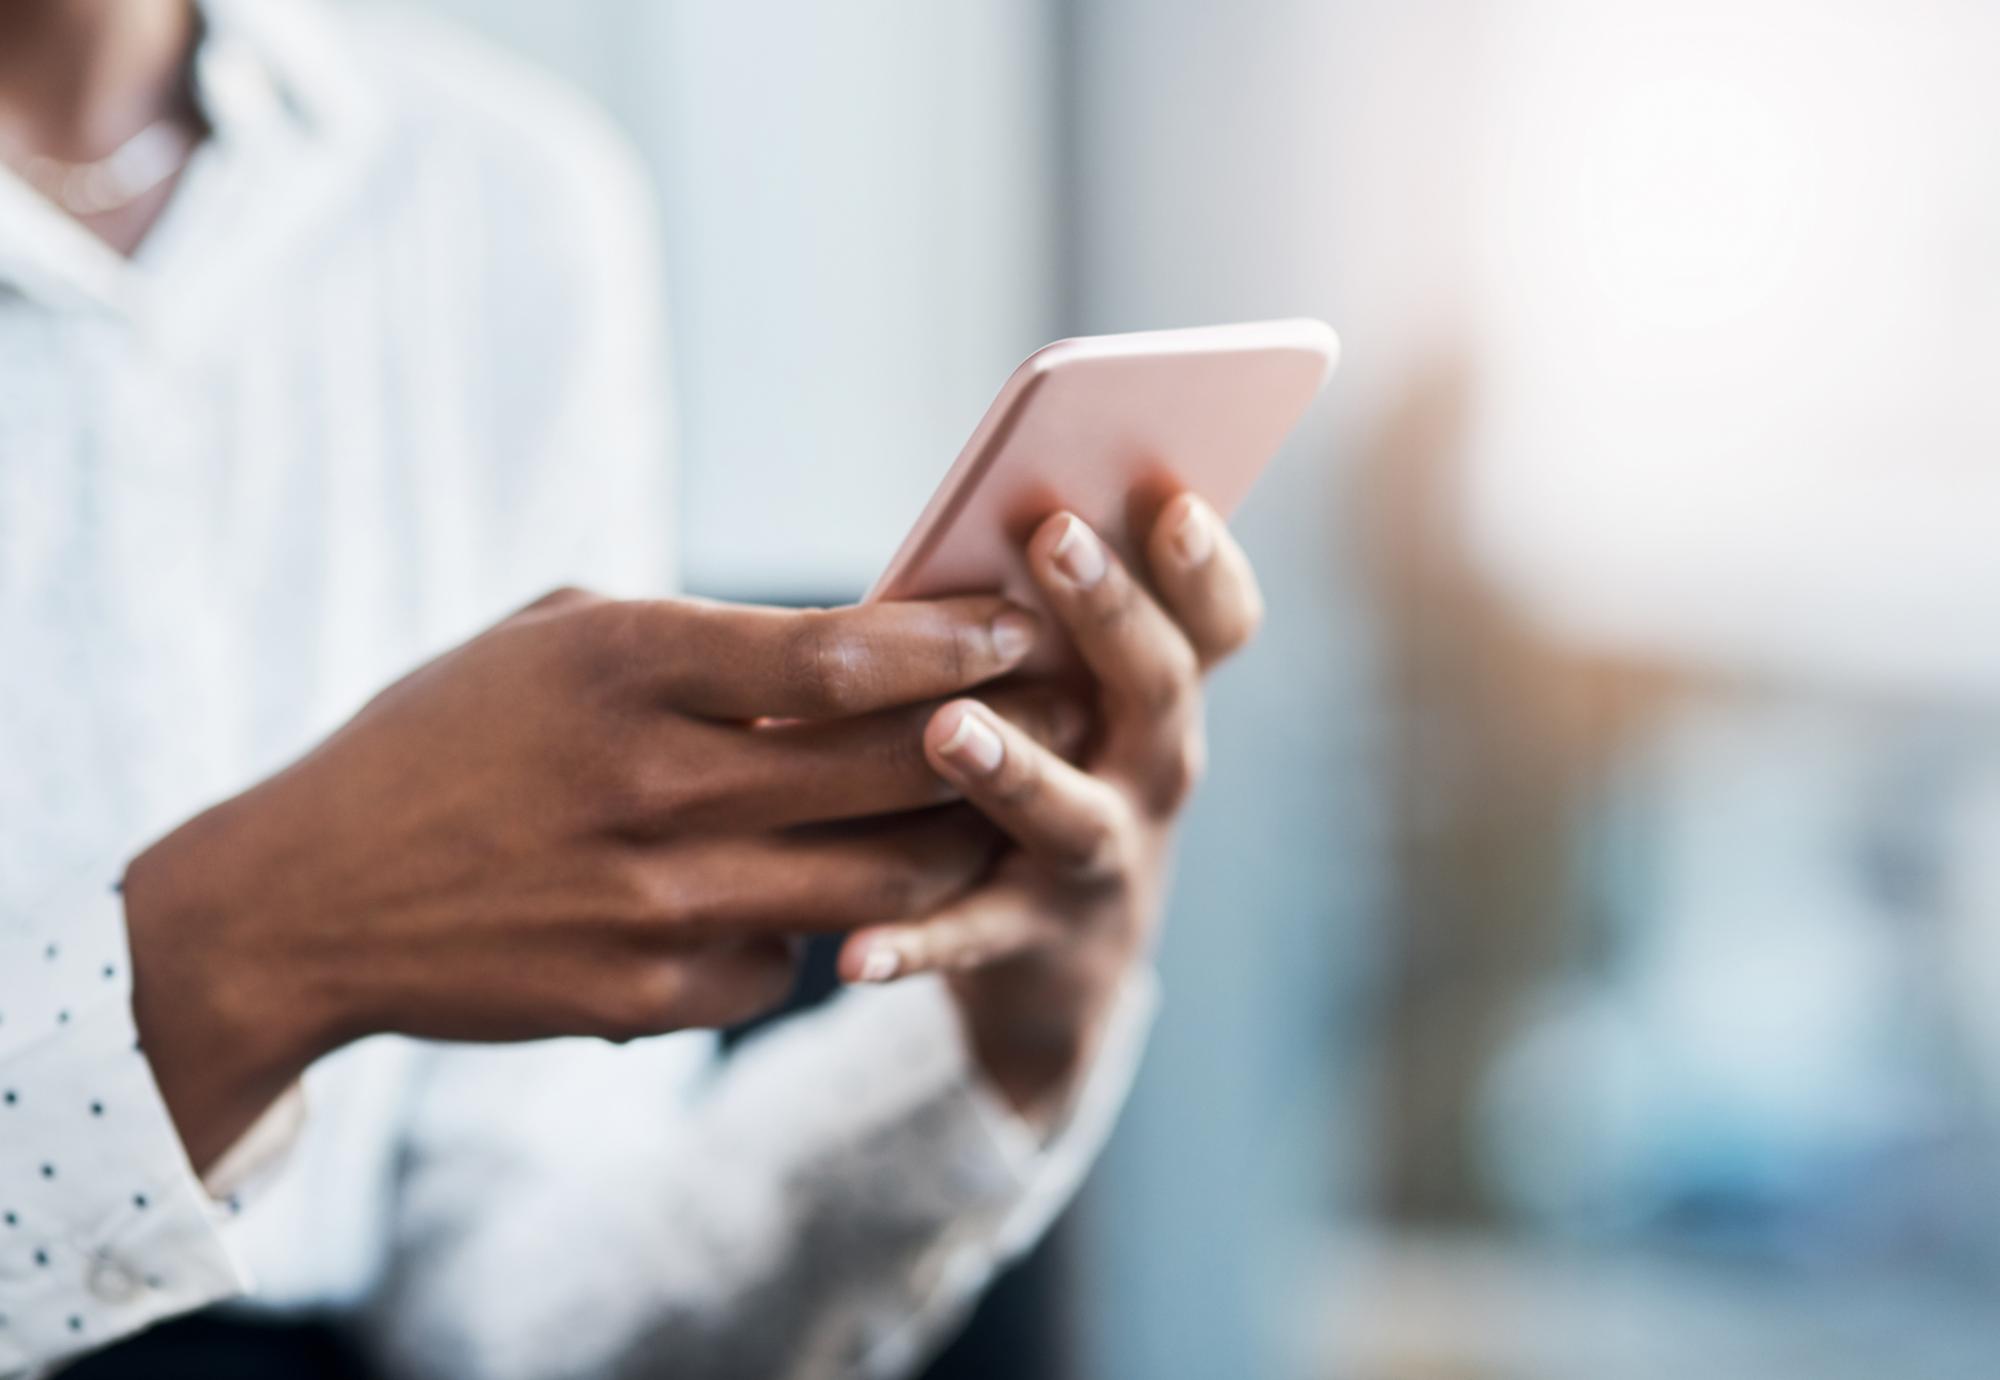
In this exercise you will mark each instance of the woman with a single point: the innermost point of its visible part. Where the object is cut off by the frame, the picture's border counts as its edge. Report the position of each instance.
(324, 341)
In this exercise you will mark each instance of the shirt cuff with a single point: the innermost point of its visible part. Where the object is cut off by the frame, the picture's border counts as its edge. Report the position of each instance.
(255, 1157)
(1049, 1163)
(104, 1226)
(970, 1159)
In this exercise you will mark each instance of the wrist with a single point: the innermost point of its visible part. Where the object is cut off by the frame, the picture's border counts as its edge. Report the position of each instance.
(225, 1025)
(1033, 1025)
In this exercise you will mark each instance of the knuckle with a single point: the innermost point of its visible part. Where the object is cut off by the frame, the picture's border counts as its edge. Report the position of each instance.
(1170, 681)
(1115, 603)
(1094, 849)
(924, 883)
(760, 979)
(1041, 716)
(650, 999)
(824, 665)
(959, 948)
(559, 599)
(649, 785)
(698, 793)
(1013, 936)
(924, 947)
(898, 889)
(1253, 613)
(1021, 780)
(632, 789)
(1236, 631)
(1179, 771)
(968, 951)
(927, 878)
(606, 639)
(1107, 851)
(1069, 728)
(652, 896)
(1056, 721)
(1097, 846)
(966, 654)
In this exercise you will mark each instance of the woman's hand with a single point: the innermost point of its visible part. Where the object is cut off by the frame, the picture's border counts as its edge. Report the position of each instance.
(1036, 957)
(576, 823)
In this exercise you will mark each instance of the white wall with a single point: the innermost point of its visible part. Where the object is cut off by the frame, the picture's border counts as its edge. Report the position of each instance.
(1737, 290)
(860, 247)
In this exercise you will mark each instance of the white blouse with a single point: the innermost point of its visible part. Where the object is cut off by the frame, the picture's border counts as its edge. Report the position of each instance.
(387, 368)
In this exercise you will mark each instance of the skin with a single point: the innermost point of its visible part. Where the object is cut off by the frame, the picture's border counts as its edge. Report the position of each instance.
(1037, 954)
(80, 77)
(615, 818)
(576, 823)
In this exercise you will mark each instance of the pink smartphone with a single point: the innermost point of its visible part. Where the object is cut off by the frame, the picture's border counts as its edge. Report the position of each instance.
(1111, 427)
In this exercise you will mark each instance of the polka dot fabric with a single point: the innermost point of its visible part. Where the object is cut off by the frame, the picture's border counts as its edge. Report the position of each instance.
(104, 1227)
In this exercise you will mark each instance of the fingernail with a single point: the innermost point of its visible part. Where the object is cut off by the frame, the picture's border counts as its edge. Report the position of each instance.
(881, 964)
(973, 745)
(1078, 554)
(1013, 634)
(1194, 538)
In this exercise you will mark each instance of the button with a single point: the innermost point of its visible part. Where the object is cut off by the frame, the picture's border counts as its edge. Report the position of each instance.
(112, 1283)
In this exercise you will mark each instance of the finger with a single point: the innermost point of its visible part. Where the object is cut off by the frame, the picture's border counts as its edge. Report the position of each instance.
(991, 924)
(1141, 659)
(733, 661)
(1055, 811)
(711, 987)
(771, 776)
(1055, 716)
(810, 881)
(1146, 669)
(1204, 579)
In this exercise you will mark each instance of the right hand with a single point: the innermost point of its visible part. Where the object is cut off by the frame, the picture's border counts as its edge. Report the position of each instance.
(583, 821)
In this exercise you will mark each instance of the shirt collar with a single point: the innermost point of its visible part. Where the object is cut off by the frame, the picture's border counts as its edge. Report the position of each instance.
(290, 115)
(290, 62)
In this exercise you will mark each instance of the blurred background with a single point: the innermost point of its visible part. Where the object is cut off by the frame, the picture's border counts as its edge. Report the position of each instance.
(1587, 955)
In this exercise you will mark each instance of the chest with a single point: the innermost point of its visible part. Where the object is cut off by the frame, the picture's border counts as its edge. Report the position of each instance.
(209, 554)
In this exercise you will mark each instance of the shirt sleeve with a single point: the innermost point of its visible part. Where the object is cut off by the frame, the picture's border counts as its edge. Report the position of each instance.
(828, 1204)
(104, 1226)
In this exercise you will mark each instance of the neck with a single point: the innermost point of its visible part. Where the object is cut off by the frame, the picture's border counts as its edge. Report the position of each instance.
(80, 77)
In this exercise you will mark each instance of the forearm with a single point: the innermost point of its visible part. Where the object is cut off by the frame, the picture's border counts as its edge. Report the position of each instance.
(827, 1208)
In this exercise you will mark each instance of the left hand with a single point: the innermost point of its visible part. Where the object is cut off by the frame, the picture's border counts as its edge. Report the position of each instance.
(1036, 957)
